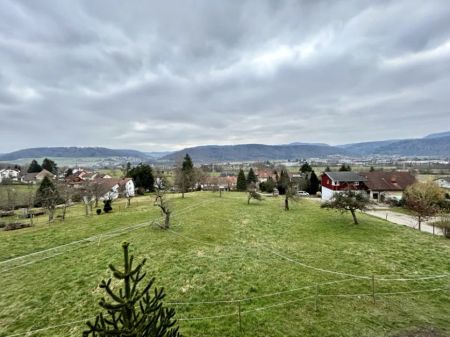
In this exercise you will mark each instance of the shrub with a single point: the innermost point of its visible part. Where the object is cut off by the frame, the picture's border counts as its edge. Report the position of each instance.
(140, 191)
(99, 211)
(107, 208)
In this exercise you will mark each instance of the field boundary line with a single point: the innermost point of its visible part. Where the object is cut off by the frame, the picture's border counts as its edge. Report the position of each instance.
(428, 277)
(245, 299)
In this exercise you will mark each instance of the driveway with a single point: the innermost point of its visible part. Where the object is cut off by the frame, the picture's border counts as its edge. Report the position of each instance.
(405, 220)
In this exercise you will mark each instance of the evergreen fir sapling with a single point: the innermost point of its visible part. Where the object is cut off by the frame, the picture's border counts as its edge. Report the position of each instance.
(133, 312)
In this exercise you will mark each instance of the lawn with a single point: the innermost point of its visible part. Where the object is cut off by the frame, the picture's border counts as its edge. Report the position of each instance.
(223, 250)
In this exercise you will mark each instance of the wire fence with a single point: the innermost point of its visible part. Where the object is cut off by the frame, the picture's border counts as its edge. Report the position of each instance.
(314, 291)
(240, 314)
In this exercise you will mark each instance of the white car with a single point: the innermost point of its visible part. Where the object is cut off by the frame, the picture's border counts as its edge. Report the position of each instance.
(303, 194)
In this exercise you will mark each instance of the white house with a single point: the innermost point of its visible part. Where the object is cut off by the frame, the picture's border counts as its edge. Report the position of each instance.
(443, 182)
(9, 174)
(111, 189)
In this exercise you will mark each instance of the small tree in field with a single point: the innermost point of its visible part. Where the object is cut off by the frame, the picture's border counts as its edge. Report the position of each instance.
(290, 193)
(423, 200)
(252, 194)
(162, 202)
(348, 201)
(132, 312)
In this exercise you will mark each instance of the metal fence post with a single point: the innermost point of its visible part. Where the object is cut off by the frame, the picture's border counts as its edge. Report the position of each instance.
(373, 288)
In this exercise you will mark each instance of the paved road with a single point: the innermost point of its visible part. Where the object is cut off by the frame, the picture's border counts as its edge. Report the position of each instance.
(406, 220)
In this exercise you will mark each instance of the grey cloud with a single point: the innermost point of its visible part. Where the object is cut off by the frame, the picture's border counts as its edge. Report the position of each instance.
(166, 74)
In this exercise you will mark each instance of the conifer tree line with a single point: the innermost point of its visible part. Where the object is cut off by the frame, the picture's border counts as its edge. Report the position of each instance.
(47, 164)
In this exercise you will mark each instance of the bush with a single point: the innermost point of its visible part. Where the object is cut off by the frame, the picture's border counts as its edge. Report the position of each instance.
(76, 197)
(140, 191)
(14, 226)
(99, 211)
(107, 208)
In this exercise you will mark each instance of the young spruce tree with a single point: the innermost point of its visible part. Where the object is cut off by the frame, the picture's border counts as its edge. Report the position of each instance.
(133, 312)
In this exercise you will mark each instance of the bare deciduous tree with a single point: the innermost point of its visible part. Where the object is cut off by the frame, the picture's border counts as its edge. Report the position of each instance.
(163, 204)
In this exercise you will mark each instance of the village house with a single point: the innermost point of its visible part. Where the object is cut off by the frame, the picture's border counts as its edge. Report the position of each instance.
(443, 182)
(337, 182)
(9, 174)
(33, 178)
(383, 186)
(224, 183)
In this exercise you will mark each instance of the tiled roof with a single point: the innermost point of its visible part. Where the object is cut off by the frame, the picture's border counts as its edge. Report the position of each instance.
(345, 176)
(388, 181)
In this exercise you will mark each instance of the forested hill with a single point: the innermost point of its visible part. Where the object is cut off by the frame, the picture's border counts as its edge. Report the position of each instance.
(254, 152)
(70, 152)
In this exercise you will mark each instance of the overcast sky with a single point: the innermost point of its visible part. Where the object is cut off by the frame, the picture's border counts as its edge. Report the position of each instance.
(166, 75)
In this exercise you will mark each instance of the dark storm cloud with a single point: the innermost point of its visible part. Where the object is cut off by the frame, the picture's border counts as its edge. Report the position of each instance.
(169, 74)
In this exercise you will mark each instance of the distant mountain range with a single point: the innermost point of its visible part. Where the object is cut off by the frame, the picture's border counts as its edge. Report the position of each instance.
(71, 152)
(437, 144)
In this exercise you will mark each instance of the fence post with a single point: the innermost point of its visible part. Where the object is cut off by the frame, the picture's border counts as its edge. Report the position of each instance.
(317, 298)
(373, 288)
(239, 316)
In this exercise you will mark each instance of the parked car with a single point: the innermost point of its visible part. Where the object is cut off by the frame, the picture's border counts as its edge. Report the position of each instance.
(303, 194)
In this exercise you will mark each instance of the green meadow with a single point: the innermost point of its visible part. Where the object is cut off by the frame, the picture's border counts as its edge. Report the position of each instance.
(231, 269)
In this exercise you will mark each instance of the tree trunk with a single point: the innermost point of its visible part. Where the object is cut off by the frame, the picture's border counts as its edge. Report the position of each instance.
(64, 212)
(129, 202)
(355, 221)
(86, 208)
(167, 220)
(96, 202)
(51, 213)
(420, 223)
(182, 194)
(286, 204)
(220, 192)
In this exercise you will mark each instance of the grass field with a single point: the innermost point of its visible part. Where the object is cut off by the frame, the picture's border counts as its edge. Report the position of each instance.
(221, 249)
(22, 192)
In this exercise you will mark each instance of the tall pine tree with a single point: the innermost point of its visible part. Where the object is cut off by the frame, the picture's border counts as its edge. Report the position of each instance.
(34, 167)
(251, 177)
(132, 312)
(313, 183)
(185, 176)
(283, 181)
(50, 166)
(305, 168)
(241, 184)
(47, 196)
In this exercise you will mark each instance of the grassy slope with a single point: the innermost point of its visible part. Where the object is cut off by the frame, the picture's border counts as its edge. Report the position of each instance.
(230, 260)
